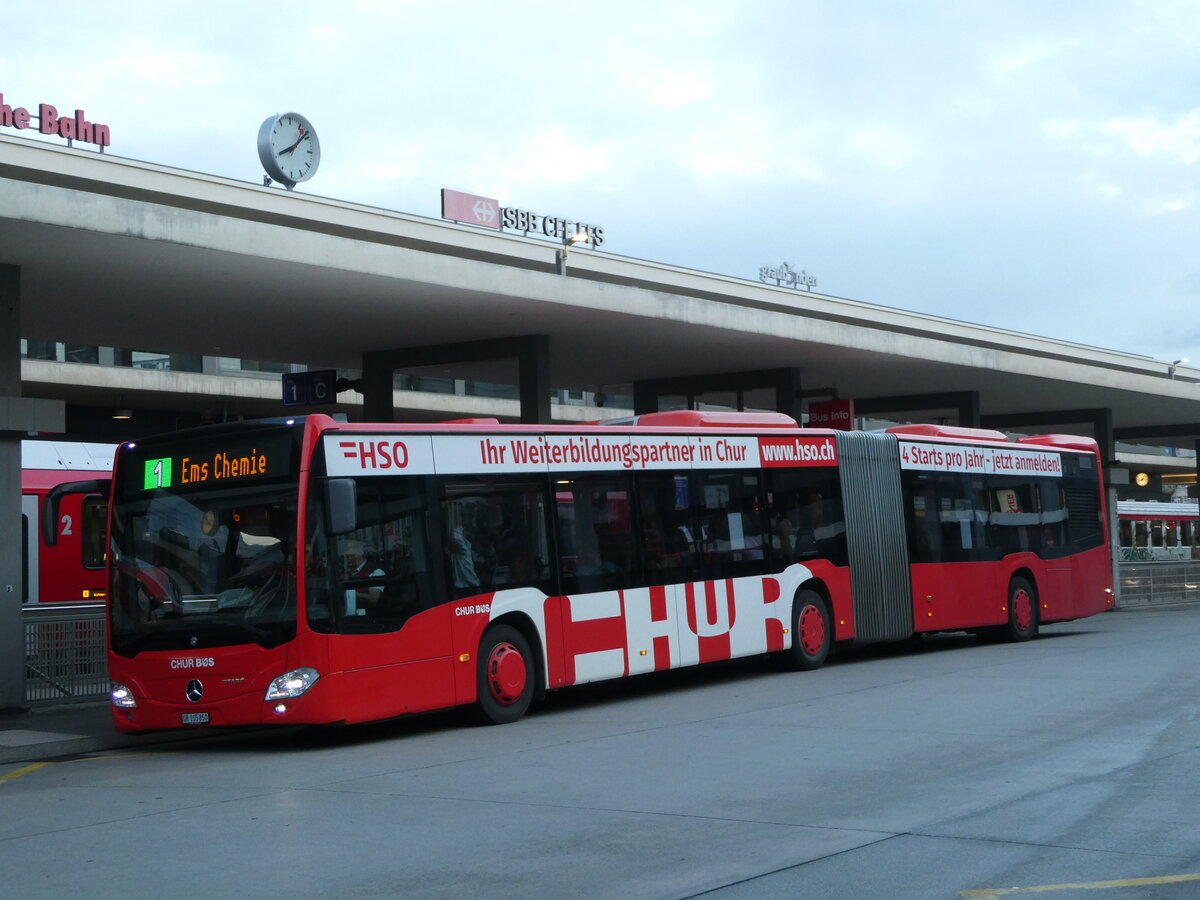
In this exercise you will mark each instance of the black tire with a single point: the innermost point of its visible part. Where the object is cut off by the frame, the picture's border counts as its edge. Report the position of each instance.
(1022, 611)
(812, 631)
(505, 676)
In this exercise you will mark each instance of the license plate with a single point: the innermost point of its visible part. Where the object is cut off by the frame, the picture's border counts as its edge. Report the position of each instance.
(195, 718)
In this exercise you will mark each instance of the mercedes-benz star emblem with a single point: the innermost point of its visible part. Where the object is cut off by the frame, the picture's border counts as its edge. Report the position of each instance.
(195, 690)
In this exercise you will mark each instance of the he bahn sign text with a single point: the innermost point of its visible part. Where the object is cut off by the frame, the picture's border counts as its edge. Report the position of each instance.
(71, 128)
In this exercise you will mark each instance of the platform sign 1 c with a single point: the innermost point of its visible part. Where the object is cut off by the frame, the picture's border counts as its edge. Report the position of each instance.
(310, 388)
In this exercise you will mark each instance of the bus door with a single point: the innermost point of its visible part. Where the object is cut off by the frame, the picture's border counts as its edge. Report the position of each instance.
(869, 465)
(1056, 596)
(29, 548)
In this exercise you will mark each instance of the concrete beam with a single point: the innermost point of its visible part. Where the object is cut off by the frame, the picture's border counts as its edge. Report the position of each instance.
(966, 403)
(1184, 430)
(25, 414)
(1099, 418)
(532, 353)
(785, 382)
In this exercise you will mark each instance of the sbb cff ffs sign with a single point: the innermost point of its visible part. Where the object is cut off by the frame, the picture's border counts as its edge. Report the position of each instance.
(310, 388)
(837, 414)
(487, 212)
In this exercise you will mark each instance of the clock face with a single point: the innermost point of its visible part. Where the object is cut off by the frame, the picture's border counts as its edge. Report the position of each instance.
(288, 148)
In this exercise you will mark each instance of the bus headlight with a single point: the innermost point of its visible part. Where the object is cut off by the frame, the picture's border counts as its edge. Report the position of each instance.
(292, 684)
(122, 697)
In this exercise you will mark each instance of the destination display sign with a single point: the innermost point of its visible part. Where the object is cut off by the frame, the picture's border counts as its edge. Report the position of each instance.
(1000, 460)
(209, 462)
(460, 453)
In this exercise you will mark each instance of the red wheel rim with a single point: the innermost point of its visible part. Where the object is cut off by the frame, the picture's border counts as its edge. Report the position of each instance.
(1022, 606)
(506, 674)
(812, 630)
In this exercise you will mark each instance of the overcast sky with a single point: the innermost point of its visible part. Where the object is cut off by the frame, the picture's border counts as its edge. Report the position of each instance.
(1028, 165)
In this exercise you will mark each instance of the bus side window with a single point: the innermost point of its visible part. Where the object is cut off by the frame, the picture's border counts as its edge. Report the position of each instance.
(94, 514)
(672, 543)
(372, 579)
(1016, 515)
(496, 534)
(1054, 517)
(731, 512)
(806, 519)
(924, 532)
(595, 534)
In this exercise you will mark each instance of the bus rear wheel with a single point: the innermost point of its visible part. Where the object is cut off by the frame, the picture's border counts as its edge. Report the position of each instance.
(504, 676)
(812, 631)
(1022, 611)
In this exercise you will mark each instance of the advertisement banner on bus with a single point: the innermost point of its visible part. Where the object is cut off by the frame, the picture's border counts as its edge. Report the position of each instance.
(513, 453)
(1000, 460)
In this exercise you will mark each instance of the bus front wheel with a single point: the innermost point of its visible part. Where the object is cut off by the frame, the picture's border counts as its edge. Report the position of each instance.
(504, 676)
(812, 631)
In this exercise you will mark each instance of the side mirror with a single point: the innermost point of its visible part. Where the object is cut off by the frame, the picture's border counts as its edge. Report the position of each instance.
(341, 505)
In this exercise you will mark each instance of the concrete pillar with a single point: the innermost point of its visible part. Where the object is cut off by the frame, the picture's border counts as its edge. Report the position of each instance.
(12, 632)
(377, 390)
(533, 366)
(18, 416)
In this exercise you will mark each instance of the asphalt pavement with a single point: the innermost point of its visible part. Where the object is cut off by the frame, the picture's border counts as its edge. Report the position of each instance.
(48, 732)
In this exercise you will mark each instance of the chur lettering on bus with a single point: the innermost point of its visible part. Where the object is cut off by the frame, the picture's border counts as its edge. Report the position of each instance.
(193, 662)
(617, 633)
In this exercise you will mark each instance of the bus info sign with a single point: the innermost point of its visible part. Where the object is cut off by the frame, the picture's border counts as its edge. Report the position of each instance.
(837, 414)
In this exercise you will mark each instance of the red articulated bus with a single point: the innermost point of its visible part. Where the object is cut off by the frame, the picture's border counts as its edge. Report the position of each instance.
(318, 572)
(68, 564)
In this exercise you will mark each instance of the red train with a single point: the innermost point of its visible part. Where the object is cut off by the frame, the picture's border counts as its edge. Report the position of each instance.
(70, 566)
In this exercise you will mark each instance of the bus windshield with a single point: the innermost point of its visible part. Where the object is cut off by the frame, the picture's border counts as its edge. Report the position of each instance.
(204, 569)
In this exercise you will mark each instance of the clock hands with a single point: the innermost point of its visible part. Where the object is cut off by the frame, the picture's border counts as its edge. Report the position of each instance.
(303, 135)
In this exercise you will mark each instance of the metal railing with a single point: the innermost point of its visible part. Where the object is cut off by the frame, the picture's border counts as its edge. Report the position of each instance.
(65, 652)
(1145, 584)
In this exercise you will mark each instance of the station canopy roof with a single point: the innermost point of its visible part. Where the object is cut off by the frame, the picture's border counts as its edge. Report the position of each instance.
(133, 255)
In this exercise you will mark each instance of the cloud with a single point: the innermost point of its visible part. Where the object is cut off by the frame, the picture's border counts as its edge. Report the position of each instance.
(883, 146)
(169, 68)
(1178, 141)
(1173, 205)
(1035, 52)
